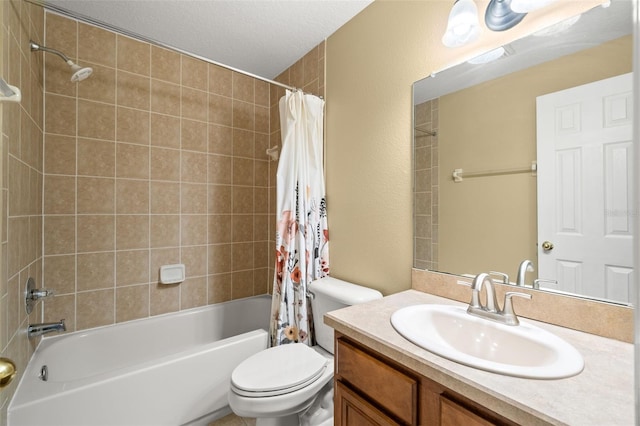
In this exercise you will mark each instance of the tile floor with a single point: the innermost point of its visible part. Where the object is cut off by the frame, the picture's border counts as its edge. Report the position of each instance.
(233, 420)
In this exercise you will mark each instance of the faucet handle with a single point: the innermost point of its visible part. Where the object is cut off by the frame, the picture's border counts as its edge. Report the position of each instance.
(40, 293)
(507, 311)
(33, 294)
(537, 281)
(505, 277)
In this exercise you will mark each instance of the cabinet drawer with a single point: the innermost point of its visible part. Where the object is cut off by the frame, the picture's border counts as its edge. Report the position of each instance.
(391, 389)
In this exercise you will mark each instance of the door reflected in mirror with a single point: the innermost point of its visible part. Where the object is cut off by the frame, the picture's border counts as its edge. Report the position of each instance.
(509, 198)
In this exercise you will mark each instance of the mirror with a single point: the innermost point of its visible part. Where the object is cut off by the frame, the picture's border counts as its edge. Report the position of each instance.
(483, 120)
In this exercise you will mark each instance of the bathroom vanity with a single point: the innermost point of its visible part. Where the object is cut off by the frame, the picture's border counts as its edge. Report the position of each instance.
(382, 378)
(370, 385)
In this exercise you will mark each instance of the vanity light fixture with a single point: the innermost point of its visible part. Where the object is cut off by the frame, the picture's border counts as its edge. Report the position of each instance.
(463, 26)
(500, 15)
(526, 6)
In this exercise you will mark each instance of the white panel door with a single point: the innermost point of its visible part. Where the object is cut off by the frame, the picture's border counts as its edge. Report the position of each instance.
(584, 139)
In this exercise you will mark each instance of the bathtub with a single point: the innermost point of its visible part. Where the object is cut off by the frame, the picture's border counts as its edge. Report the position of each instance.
(171, 369)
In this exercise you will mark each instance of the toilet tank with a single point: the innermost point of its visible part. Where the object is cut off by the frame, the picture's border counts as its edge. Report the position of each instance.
(330, 294)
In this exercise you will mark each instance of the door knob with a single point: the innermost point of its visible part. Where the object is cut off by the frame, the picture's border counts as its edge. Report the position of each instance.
(7, 371)
(547, 246)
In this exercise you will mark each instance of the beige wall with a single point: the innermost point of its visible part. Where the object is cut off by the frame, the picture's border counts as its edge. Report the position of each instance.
(21, 213)
(491, 126)
(372, 62)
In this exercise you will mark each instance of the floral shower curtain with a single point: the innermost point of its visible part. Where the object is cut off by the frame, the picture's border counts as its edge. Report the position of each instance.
(302, 237)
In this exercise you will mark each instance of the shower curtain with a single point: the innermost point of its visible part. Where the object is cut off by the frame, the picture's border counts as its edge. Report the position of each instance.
(302, 237)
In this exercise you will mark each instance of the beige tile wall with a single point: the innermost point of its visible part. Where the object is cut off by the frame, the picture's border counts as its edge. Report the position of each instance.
(21, 212)
(426, 186)
(157, 158)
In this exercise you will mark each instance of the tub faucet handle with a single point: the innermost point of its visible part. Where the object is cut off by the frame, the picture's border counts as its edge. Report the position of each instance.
(33, 294)
(40, 293)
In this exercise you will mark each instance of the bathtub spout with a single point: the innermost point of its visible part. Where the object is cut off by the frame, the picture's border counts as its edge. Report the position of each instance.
(40, 329)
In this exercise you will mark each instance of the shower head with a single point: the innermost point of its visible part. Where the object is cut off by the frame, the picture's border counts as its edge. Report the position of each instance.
(79, 73)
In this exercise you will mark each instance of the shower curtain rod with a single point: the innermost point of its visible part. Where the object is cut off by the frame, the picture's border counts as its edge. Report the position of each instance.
(135, 36)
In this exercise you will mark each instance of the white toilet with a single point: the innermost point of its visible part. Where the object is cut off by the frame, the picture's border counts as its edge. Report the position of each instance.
(278, 384)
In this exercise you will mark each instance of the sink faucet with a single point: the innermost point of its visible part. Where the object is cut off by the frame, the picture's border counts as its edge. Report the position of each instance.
(525, 266)
(476, 287)
(39, 329)
(492, 310)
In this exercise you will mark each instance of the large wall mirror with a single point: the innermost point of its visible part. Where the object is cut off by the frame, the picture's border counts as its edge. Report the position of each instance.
(529, 157)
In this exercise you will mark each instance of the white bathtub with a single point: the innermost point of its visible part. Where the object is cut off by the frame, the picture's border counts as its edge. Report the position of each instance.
(167, 370)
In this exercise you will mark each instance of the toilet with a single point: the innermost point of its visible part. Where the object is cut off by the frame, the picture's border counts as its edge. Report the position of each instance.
(278, 386)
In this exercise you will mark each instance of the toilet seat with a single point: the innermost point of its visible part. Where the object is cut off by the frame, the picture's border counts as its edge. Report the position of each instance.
(278, 370)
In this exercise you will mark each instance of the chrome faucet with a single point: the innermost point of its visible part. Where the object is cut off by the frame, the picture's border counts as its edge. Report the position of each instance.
(33, 294)
(525, 266)
(492, 310)
(39, 329)
(476, 287)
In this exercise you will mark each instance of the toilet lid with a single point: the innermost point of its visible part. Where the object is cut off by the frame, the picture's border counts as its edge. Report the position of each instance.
(278, 370)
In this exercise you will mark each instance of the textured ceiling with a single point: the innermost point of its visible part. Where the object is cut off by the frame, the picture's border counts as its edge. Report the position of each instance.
(263, 37)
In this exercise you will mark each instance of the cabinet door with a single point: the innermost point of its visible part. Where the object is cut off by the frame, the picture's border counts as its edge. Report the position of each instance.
(393, 390)
(453, 414)
(352, 410)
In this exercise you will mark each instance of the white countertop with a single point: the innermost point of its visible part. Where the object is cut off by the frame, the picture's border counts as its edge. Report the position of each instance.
(602, 395)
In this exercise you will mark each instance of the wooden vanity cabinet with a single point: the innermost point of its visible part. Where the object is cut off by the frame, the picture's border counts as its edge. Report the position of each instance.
(371, 389)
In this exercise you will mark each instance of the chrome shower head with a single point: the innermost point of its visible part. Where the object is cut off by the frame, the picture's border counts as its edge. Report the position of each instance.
(79, 73)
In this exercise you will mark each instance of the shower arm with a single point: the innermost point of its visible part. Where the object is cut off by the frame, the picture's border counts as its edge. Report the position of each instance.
(35, 46)
(79, 73)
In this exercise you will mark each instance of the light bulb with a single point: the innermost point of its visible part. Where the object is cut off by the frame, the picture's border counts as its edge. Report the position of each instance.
(463, 26)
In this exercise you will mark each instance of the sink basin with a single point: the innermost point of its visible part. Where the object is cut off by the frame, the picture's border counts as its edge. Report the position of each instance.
(521, 351)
